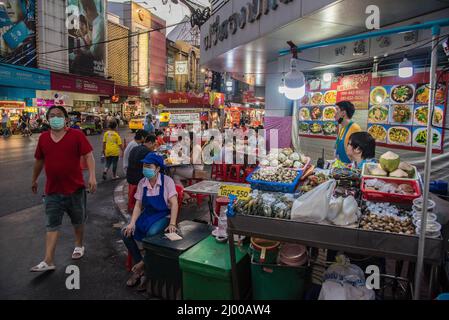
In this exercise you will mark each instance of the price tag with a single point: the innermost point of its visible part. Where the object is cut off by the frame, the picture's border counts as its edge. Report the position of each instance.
(241, 192)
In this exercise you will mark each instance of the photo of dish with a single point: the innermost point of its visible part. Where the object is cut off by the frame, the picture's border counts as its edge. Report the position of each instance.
(420, 137)
(420, 117)
(378, 95)
(304, 114)
(401, 113)
(330, 128)
(317, 98)
(423, 93)
(330, 97)
(305, 100)
(378, 133)
(399, 135)
(438, 117)
(315, 128)
(402, 93)
(304, 127)
(316, 113)
(378, 114)
(329, 113)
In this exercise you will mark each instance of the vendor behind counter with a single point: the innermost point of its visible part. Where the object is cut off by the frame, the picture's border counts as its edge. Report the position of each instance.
(344, 114)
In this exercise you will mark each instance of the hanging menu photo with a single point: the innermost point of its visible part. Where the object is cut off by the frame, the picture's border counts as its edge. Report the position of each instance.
(398, 114)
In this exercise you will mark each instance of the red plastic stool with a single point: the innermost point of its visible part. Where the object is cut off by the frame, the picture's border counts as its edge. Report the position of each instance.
(219, 202)
(234, 173)
(199, 197)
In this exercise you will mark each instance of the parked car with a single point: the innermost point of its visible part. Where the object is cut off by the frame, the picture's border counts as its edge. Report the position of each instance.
(89, 123)
(136, 124)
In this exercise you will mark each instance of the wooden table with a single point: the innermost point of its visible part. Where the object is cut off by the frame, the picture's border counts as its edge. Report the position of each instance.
(210, 188)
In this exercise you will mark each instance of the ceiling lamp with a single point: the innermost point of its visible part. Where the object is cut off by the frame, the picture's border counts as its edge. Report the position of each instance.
(327, 77)
(282, 86)
(295, 84)
(405, 68)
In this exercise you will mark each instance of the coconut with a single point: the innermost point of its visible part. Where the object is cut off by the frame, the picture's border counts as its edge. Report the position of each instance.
(378, 171)
(288, 163)
(389, 161)
(282, 157)
(274, 163)
(407, 167)
(399, 174)
(294, 156)
(297, 164)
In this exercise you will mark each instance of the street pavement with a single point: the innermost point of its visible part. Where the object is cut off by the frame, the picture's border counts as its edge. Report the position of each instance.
(16, 169)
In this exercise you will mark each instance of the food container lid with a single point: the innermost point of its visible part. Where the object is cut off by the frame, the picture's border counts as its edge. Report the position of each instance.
(430, 227)
(419, 202)
(429, 234)
(430, 216)
(292, 251)
(419, 209)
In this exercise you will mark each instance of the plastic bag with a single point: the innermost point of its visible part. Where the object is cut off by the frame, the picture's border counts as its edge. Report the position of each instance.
(314, 205)
(345, 281)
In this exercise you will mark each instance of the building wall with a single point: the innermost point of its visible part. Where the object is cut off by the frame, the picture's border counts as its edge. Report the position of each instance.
(187, 52)
(118, 54)
(158, 53)
(52, 35)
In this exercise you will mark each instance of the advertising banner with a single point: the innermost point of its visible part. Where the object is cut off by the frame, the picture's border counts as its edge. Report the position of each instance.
(18, 32)
(72, 83)
(87, 32)
(22, 77)
(180, 99)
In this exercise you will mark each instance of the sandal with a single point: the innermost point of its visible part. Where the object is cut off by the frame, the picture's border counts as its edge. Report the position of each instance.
(42, 266)
(78, 253)
(134, 279)
(143, 284)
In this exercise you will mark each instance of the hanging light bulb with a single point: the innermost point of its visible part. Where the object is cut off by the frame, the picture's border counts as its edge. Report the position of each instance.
(405, 68)
(327, 77)
(282, 86)
(295, 83)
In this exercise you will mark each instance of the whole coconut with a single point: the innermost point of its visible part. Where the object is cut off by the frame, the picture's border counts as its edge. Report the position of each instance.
(389, 161)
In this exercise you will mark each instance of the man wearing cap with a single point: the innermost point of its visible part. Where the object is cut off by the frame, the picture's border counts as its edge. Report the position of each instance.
(61, 150)
(156, 209)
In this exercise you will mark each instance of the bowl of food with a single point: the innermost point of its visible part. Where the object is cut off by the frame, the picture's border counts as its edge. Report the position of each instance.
(378, 114)
(316, 113)
(402, 93)
(330, 128)
(420, 137)
(422, 94)
(304, 127)
(305, 100)
(401, 113)
(330, 97)
(421, 114)
(317, 98)
(304, 114)
(329, 113)
(378, 95)
(379, 133)
(399, 135)
(438, 117)
(315, 128)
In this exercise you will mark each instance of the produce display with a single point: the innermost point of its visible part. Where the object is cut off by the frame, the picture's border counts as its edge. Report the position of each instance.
(286, 158)
(281, 175)
(385, 187)
(390, 165)
(387, 218)
(313, 181)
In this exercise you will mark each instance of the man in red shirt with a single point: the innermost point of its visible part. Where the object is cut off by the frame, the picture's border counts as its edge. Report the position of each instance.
(60, 151)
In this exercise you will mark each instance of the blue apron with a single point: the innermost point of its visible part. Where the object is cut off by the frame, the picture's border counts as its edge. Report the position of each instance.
(340, 146)
(155, 209)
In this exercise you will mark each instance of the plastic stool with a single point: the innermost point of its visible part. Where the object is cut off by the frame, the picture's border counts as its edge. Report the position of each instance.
(234, 173)
(219, 202)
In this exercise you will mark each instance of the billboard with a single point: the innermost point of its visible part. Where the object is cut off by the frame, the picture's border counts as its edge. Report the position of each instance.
(18, 32)
(86, 23)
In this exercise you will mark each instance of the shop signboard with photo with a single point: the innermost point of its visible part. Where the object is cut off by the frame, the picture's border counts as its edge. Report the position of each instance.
(87, 33)
(18, 32)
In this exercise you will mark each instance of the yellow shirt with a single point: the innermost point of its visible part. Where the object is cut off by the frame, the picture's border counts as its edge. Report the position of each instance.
(113, 143)
(352, 129)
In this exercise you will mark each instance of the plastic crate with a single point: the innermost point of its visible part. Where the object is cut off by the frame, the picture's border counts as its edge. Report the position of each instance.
(274, 186)
(372, 195)
(367, 166)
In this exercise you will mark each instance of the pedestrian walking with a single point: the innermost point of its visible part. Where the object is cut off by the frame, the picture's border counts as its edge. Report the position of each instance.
(60, 151)
(112, 146)
(5, 124)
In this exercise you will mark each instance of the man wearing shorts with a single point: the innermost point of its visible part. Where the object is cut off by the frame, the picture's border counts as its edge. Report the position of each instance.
(60, 151)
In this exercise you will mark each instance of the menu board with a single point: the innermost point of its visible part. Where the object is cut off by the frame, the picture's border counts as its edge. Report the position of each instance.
(397, 115)
(317, 113)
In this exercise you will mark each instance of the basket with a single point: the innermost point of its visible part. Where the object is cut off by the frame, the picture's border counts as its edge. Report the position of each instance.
(274, 186)
(372, 195)
(367, 166)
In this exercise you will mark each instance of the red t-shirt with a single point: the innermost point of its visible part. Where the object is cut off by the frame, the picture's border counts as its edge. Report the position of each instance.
(62, 161)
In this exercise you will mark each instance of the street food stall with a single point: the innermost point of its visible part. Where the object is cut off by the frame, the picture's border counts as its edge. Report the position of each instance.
(236, 112)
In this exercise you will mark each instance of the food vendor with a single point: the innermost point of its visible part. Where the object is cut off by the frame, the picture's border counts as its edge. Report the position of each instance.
(361, 149)
(345, 112)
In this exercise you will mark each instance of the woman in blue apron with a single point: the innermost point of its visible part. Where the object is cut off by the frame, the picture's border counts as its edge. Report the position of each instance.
(345, 112)
(361, 149)
(156, 211)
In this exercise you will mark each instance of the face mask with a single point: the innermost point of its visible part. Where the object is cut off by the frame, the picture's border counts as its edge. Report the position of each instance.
(340, 120)
(149, 173)
(57, 123)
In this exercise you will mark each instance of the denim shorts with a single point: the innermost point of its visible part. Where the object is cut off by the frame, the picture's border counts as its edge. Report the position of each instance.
(74, 204)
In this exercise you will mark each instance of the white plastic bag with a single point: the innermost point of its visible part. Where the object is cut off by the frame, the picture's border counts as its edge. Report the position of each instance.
(314, 205)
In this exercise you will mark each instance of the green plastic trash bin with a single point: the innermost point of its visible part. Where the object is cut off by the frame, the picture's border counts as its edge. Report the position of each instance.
(206, 271)
(278, 282)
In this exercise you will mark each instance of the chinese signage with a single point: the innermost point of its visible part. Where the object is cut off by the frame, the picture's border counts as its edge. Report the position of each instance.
(18, 32)
(86, 24)
(181, 68)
